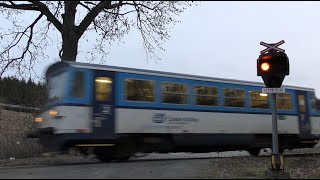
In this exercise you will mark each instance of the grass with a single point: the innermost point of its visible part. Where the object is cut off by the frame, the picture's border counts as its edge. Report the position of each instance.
(258, 168)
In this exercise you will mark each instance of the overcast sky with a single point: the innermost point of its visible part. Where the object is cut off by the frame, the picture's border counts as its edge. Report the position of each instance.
(222, 39)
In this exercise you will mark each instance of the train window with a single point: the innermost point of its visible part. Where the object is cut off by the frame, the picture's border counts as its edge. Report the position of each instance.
(56, 86)
(302, 103)
(78, 85)
(207, 96)
(174, 93)
(140, 90)
(284, 101)
(103, 88)
(315, 103)
(234, 98)
(259, 100)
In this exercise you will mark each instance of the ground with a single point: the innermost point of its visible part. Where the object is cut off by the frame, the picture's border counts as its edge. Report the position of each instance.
(13, 140)
(257, 168)
(208, 168)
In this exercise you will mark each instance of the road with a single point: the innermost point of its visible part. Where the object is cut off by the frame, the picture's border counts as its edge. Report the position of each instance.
(165, 166)
(193, 168)
(154, 166)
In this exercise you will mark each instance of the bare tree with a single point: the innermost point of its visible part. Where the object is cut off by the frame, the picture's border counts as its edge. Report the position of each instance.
(111, 20)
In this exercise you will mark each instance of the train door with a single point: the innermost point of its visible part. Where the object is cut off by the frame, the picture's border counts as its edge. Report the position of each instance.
(303, 114)
(103, 111)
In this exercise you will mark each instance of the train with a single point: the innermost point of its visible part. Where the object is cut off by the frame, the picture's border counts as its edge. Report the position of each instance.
(116, 112)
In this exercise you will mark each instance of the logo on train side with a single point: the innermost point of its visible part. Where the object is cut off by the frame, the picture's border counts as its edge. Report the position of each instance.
(159, 118)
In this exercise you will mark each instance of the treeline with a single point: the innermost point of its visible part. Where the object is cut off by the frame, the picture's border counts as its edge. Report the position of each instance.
(22, 92)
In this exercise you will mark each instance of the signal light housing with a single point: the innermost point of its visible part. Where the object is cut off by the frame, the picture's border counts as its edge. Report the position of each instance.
(273, 66)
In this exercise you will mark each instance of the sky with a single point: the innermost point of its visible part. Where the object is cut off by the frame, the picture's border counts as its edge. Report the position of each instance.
(222, 39)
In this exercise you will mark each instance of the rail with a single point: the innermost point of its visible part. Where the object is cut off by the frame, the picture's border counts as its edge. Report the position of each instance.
(18, 108)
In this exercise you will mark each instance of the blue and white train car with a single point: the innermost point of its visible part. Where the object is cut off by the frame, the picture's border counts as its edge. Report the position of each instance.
(120, 111)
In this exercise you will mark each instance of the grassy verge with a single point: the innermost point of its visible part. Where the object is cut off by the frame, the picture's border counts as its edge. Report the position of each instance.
(258, 168)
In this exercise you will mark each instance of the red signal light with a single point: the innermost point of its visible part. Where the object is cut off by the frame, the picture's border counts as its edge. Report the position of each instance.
(265, 66)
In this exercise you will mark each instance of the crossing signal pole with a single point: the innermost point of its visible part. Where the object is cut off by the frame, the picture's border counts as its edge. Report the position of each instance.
(273, 66)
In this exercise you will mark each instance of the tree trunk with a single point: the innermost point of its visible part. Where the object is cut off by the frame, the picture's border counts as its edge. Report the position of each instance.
(70, 38)
(69, 47)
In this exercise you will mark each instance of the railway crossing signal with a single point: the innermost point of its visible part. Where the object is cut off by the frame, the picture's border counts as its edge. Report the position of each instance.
(273, 65)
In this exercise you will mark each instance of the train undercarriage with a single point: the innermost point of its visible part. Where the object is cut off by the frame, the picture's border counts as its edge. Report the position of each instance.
(124, 148)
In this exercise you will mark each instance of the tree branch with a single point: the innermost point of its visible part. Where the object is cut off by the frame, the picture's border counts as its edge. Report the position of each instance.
(93, 14)
(138, 4)
(88, 2)
(120, 14)
(44, 9)
(10, 61)
(85, 6)
(56, 12)
(35, 6)
(19, 6)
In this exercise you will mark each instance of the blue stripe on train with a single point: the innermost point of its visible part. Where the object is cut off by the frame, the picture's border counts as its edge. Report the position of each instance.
(203, 110)
(179, 109)
(176, 109)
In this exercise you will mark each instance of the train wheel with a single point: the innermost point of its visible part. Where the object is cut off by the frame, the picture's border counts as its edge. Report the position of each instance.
(254, 151)
(104, 154)
(122, 158)
(124, 151)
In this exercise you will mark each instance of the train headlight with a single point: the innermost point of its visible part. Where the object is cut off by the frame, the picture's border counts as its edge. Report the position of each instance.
(38, 120)
(53, 113)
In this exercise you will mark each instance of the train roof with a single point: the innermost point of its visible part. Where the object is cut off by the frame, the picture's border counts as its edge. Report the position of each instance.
(59, 65)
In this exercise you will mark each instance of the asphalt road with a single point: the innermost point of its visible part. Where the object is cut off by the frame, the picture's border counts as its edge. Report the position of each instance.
(154, 166)
(165, 166)
(165, 169)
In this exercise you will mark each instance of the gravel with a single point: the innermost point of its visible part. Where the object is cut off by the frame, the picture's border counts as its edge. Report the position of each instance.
(45, 161)
(257, 167)
(13, 140)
